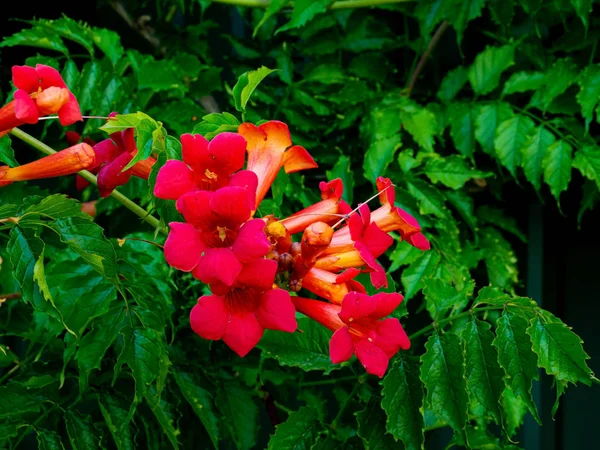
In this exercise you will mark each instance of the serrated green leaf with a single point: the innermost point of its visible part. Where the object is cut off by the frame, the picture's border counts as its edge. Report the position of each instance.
(419, 122)
(55, 206)
(299, 431)
(413, 277)
(483, 373)
(443, 373)
(7, 154)
(488, 118)
(109, 42)
(557, 167)
(485, 72)
(461, 13)
(464, 204)
(117, 421)
(308, 350)
(343, 170)
(514, 410)
(159, 75)
(510, 140)
(109, 101)
(272, 8)
(452, 171)
(214, 123)
(462, 127)
(516, 357)
(82, 433)
(583, 8)
(589, 95)
(589, 199)
(94, 344)
(15, 399)
(48, 440)
(304, 11)
(499, 257)
(68, 29)
(534, 152)
(440, 297)
(559, 351)
(403, 255)
(559, 77)
(122, 122)
(247, 83)
(36, 37)
(379, 155)
(371, 427)
(165, 415)
(429, 198)
(523, 82)
(452, 83)
(201, 402)
(88, 86)
(402, 402)
(500, 219)
(240, 413)
(587, 161)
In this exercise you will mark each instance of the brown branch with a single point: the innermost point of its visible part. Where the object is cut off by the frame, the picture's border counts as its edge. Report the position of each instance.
(434, 40)
(4, 297)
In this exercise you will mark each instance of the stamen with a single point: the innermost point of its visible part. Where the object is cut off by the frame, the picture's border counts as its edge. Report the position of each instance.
(347, 216)
(85, 117)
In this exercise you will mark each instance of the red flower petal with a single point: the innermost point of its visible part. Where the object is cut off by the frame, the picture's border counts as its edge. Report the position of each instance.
(194, 207)
(25, 109)
(228, 150)
(371, 357)
(209, 318)
(389, 195)
(218, 265)
(385, 303)
(347, 275)
(276, 311)
(355, 224)
(251, 241)
(419, 240)
(194, 149)
(184, 246)
(258, 273)
(106, 151)
(378, 277)
(174, 179)
(248, 180)
(70, 112)
(231, 205)
(49, 77)
(377, 241)
(356, 306)
(243, 333)
(391, 337)
(26, 78)
(341, 347)
(111, 175)
(296, 158)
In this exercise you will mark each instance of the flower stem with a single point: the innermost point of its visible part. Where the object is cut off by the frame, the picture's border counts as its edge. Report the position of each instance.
(342, 4)
(125, 201)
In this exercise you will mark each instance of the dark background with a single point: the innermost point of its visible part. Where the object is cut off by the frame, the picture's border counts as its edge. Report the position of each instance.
(559, 266)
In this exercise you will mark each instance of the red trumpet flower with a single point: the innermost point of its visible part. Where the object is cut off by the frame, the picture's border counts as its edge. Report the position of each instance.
(359, 329)
(40, 91)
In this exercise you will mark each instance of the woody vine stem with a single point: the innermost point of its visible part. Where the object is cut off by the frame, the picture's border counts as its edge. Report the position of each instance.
(124, 200)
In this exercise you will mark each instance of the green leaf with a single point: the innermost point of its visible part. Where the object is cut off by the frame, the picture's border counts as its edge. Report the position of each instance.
(7, 154)
(510, 140)
(589, 199)
(413, 278)
(117, 421)
(48, 440)
(36, 37)
(452, 171)
(142, 352)
(464, 204)
(419, 122)
(452, 83)
(462, 127)
(379, 155)
(429, 198)
(534, 151)
(201, 402)
(55, 206)
(440, 297)
(443, 373)
(91, 75)
(589, 95)
(403, 255)
(272, 8)
(343, 170)
(500, 219)
(122, 122)
(403, 400)
(523, 82)
(303, 12)
(500, 260)
(15, 399)
(559, 351)
(485, 72)
(308, 350)
(514, 410)
(165, 416)
(516, 357)
(371, 427)
(108, 102)
(246, 84)
(557, 167)
(159, 75)
(559, 77)
(87, 239)
(583, 8)
(240, 413)
(487, 121)
(299, 431)
(462, 13)
(483, 373)
(96, 342)
(81, 431)
(68, 29)
(109, 42)
(214, 123)
(587, 161)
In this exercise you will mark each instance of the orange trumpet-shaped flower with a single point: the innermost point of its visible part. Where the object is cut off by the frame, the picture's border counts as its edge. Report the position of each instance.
(40, 91)
(65, 162)
(270, 148)
(331, 286)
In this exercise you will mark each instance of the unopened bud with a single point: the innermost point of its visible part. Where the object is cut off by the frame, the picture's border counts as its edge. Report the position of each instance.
(295, 285)
(285, 262)
(295, 249)
(315, 240)
(276, 230)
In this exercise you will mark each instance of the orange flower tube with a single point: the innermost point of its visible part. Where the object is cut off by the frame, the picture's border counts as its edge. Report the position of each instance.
(65, 162)
(324, 284)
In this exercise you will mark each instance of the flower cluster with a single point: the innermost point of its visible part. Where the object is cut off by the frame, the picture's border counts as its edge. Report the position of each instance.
(252, 265)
